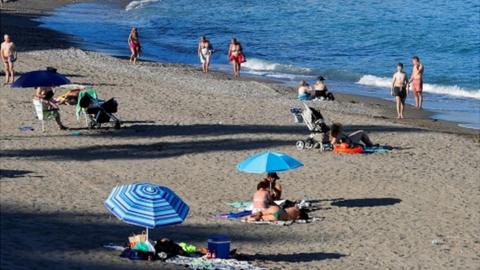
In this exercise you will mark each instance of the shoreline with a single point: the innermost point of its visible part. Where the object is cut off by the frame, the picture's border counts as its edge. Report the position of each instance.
(412, 207)
(22, 21)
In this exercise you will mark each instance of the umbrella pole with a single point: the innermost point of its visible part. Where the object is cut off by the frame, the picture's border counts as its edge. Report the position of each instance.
(147, 233)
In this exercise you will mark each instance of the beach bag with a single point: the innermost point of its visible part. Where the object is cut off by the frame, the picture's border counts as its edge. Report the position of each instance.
(137, 255)
(168, 249)
(144, 246)
(136, 238)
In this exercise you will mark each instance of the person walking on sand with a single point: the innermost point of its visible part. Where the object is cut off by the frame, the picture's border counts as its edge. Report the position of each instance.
(399, 89)
(236, 56)
(8, 52)
(416, 80)
(134, 44)
(205, 51)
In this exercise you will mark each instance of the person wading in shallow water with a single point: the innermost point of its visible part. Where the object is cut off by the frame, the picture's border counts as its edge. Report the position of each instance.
(134, 44)
(416, 80)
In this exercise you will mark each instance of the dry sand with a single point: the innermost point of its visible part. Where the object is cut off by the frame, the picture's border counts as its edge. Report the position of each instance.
(416, 207)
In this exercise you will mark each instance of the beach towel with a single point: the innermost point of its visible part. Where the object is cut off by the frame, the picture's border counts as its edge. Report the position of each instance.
(247, 205)
(233, 215)
(91, 92)
(375, 149)
(210, 264)
(266, 222)
(240, 204)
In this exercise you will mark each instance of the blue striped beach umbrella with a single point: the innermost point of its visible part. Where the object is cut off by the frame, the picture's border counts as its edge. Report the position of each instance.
(147, 205)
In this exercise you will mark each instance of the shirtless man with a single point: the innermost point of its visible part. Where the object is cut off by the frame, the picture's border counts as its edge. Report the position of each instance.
(399, 89)
(417, 80)
(9, 56)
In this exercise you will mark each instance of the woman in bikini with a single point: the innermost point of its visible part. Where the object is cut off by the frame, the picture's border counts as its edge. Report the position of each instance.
(205, 51)
(236, 56)
(134, 44)
(276, 213)
(262, 198)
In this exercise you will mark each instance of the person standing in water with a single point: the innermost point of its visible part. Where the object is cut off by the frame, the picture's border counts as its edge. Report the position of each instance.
(8, 51)
(399, 89)
(205, 50)
(416, 80)
(236, 56)
(134, 44)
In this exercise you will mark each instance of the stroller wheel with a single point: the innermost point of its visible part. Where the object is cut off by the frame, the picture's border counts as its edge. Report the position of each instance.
(300, 145)
(309, 144)
(117, 125)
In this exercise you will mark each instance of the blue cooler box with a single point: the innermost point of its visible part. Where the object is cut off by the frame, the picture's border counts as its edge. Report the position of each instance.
(220, 244)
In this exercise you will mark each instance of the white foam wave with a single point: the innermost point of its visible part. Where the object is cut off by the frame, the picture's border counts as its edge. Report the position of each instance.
(139, 3)
(383, 82)
(262, 65)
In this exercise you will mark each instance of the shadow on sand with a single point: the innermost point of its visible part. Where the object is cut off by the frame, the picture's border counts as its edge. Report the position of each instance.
(365, 202)
(13, 173)
(295, 257)
(73, 240)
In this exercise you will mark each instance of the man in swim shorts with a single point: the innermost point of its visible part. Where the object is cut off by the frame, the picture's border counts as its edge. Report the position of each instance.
(416, 80)
(8, 52)
(399, 89)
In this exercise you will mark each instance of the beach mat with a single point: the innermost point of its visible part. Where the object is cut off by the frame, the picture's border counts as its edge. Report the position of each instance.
(212, 264)
(233, 215)
(376, 150)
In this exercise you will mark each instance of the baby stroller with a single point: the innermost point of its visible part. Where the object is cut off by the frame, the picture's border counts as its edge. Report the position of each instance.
(319, 136)
(96, 111)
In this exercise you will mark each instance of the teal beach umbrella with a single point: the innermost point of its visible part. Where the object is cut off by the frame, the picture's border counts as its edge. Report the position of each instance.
(269, 162)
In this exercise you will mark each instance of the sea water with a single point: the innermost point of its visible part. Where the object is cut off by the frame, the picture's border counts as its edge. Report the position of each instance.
(355, 45)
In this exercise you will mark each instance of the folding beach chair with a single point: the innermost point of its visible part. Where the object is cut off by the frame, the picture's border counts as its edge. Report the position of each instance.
(42, 113)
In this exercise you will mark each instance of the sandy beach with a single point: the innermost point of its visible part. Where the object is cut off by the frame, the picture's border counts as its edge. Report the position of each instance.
(416, 207)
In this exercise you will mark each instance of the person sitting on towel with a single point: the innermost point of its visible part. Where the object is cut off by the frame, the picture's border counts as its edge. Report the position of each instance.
(274, 188)
(321, 90)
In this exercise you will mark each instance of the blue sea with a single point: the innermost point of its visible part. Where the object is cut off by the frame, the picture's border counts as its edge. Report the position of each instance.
(354, 44)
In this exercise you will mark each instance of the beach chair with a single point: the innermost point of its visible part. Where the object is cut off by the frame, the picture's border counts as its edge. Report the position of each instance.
(42, 113)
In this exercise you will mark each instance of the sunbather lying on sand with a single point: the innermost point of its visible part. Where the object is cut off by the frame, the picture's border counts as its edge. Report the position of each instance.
(276, 213)
(355, 138)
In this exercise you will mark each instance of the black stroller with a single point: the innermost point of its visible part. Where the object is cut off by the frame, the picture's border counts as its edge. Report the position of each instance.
(319, 136)
(96, 111)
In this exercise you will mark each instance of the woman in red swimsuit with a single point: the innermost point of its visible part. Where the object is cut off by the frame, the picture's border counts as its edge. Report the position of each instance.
(134, 44)
(236, 56)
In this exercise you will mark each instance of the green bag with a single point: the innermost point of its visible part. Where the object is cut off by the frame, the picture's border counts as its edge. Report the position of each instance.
(188, 248)
(144, 246)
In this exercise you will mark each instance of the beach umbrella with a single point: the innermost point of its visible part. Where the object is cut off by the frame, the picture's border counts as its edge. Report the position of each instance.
(147, 205)
(40, 78)
(268, 162)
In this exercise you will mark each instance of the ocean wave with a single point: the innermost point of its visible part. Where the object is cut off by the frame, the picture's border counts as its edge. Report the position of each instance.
(262, 65)
(383, 82)
(139, 3)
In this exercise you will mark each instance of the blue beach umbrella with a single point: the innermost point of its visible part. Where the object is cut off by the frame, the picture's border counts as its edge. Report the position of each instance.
(268, 162)
(40, 78)
(147, 205)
